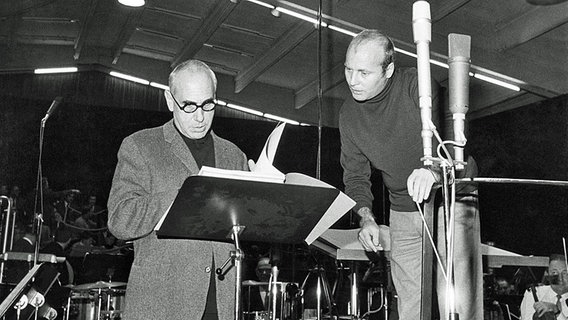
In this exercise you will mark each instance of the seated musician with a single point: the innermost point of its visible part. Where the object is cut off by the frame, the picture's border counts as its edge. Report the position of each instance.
(548, 301)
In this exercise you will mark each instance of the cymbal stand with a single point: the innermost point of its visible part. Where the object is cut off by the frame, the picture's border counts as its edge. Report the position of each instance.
(322, 287)
(236, 259)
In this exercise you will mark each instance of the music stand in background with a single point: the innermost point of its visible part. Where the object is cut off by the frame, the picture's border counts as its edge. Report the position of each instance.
(219, 209)
(29, 295)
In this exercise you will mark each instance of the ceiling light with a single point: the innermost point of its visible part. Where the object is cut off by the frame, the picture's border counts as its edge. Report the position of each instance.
(159, 86)
(243, 109)
(275, 13)
(55, 70)
(260, 3)
(497, 82)
(133, 3)
(300, 16)
(344, 31)
(277, 118)
(129, 78)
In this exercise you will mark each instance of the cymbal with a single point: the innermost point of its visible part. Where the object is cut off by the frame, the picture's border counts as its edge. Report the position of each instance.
(99, 285)
(254, 283)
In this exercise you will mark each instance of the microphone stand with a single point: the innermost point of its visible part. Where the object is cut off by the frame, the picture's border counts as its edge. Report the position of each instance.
(449, 195)
(39, 190)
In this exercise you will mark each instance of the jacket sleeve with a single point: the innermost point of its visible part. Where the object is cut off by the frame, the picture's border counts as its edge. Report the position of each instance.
(134, 207)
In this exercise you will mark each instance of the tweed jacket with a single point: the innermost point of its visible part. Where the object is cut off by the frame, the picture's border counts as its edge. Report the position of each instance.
(169, 279)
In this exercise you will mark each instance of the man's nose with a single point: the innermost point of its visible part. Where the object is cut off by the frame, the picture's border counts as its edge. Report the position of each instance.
(199, 115)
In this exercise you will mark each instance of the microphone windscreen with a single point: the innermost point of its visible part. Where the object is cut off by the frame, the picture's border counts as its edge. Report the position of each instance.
(421, 24)
(420, 10)
(459, 45)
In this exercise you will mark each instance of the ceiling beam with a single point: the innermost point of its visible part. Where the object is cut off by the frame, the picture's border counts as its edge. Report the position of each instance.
(446, 8)
(126, 32)
(529, 25)
(329, 80)
(279, 49)
(214, 19)
(85, 26)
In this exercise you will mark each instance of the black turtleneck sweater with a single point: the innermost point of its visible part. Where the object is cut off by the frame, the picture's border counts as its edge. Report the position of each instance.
(202, 149)
(384, 132)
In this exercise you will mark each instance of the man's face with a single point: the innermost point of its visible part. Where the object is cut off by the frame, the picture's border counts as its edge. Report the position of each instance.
(193, 87)
(558, 268)
(363, 71)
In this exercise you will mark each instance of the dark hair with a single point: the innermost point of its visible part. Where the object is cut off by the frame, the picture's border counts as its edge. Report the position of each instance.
(556, 257)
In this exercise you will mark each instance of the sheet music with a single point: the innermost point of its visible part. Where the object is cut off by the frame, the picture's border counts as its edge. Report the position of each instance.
(264, 164)
(264, 171)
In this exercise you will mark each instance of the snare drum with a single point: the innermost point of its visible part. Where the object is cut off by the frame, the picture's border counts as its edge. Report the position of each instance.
(99, 304)
(81, 306)
(113, 303)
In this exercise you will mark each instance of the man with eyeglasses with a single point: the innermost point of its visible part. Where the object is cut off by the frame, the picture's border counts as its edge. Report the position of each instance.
(173, 279)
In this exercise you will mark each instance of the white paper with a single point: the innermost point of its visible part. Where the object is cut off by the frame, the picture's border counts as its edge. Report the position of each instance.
(264, 164)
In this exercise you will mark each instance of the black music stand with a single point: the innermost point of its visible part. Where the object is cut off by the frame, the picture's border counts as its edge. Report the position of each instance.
(220, 209)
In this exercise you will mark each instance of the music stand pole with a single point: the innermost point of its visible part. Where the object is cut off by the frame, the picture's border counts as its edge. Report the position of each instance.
(236, 257)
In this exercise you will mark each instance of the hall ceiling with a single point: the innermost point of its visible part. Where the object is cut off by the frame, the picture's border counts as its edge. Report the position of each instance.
(270, 63)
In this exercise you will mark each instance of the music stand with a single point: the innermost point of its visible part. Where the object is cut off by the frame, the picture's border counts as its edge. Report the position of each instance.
(208, 208)
(29, 294)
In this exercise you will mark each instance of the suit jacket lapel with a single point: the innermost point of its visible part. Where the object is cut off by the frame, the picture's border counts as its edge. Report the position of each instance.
(179, 148)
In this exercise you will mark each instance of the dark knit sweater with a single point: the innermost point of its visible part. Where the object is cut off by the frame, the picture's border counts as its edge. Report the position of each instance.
(384, 132)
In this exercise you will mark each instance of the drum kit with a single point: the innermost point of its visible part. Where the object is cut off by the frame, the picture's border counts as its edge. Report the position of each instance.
(100, 300)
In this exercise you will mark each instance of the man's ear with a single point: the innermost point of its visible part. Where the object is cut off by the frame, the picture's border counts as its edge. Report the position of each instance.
(390, 70)
(169, 101)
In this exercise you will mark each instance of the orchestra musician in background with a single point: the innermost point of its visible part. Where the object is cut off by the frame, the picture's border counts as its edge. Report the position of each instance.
(548, 302)
(170, 278)
(380, 129)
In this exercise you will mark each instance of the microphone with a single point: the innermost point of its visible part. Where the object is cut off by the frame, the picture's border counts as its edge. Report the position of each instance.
(56, 102)
(459, 47)
(422, 30)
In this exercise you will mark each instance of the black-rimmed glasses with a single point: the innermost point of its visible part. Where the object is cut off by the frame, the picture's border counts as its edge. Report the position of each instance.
(190, 106)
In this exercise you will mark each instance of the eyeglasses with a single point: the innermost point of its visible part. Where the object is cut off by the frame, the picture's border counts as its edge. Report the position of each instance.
(190, 107)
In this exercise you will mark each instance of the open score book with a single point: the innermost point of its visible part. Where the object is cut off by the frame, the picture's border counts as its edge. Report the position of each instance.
(264, 171)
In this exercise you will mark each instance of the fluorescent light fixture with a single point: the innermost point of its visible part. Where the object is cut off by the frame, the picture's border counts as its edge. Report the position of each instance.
(55, 70)
(159, 86)
(408, 53)
(129, 78)
(132, 3)
(300, 16)
(277, 118)
(220, 102)
(497, 82)
(243, 109)
(338, 29)
(439, 63)
(264, 4)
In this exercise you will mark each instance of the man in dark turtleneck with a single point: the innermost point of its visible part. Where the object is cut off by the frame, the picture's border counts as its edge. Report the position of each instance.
(380, 130)
(170, 278)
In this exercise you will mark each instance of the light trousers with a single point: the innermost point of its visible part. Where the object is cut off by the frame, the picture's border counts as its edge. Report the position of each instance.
(406, 261)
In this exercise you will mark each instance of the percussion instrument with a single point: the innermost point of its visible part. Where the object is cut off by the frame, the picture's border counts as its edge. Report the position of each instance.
(96, 301)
